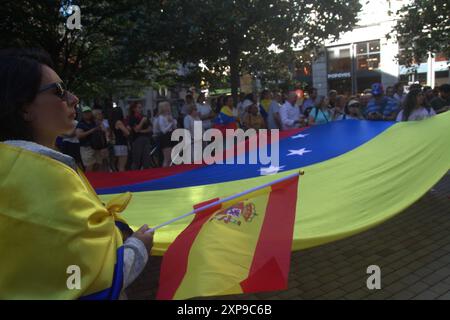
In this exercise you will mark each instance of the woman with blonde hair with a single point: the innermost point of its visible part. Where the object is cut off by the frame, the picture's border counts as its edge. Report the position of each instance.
(166, 124)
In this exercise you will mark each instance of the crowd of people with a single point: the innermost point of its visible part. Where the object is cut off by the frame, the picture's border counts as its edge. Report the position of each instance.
(135, 141)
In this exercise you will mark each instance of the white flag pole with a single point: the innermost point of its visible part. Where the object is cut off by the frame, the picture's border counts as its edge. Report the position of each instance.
(243, 193)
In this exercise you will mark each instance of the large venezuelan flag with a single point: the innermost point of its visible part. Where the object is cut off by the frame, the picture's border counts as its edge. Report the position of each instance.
(239, 246)
(358, 174)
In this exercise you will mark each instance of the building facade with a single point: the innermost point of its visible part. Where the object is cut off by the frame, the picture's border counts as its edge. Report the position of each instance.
(365, 55)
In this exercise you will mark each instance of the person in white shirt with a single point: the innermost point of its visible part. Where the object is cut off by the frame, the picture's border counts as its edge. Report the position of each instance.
(190, 120)
(290, 114)
(273, 118)
(244, 110)
(399, 93)
(189, 100)
(247, 102)
(191, 117)
(413, 107)
(205, 112)
(165, 125)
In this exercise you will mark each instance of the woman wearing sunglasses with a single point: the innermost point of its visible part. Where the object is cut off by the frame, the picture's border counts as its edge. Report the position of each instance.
(58, 240)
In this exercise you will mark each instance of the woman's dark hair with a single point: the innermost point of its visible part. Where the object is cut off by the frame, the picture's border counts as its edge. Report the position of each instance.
(311, 90)
(250, 97)
(226, 98)
(264, 93)
(410, 103)
(20, 79)
(116, 115)
(132, 109)
(397, 86)
(201, 97)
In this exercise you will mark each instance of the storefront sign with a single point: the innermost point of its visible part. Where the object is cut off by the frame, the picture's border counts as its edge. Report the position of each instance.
(339, 75)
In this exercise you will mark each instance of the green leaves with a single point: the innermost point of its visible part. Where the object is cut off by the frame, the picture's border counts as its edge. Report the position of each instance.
(113, 47)
(129, 44)
(208, 30)
(424, 26)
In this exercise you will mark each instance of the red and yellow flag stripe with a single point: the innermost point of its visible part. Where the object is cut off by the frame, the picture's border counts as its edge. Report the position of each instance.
(240, 246)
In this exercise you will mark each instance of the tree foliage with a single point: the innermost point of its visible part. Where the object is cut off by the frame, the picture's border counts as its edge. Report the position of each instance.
(111, 51)
(423, 26)
(130, 44)
(222, 32)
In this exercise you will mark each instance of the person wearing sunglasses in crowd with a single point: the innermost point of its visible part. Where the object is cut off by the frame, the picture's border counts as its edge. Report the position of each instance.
(352, 111)
(53, 224)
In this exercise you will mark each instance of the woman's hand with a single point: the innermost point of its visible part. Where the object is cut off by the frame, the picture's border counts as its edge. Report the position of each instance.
(145, 237)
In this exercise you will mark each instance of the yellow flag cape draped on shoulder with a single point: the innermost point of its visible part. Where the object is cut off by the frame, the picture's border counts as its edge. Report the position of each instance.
(51, 219)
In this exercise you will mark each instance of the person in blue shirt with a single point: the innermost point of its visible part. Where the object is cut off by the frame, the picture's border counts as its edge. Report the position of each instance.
(381, 107)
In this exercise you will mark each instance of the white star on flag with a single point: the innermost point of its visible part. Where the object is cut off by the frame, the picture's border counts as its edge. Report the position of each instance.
(299, 152)
(300, 136)
(270, 170)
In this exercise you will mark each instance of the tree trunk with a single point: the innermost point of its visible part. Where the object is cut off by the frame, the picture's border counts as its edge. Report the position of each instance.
(234, 71)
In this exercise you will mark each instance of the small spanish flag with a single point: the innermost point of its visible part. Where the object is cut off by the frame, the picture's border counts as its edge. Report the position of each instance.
(239, 246)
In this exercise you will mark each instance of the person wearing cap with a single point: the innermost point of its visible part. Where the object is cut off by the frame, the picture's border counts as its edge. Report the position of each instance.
(352, 111)
(381, 107)
(85, 129)
(442, 102)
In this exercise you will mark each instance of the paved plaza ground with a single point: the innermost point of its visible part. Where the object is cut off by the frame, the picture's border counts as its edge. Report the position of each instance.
(412, 250)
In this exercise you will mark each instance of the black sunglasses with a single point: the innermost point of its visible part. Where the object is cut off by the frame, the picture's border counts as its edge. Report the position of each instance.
(60, 91)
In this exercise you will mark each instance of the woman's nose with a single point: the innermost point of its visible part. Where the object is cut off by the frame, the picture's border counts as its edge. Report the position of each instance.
(72, 100)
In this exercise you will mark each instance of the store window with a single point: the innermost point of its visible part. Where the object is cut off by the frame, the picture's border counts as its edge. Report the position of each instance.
(368, 55)
(339, 60)
(340, 69)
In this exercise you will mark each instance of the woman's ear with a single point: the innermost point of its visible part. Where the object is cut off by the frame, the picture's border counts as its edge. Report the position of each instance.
(28, 116)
